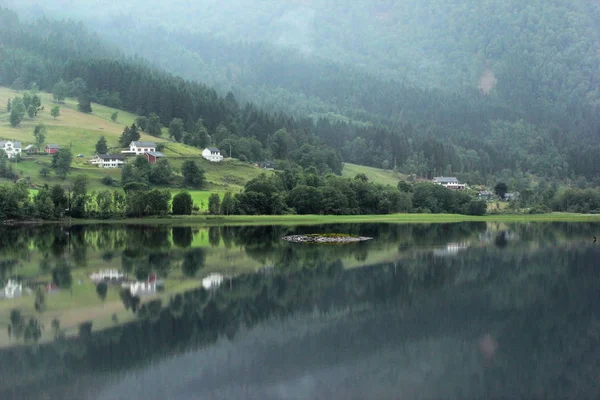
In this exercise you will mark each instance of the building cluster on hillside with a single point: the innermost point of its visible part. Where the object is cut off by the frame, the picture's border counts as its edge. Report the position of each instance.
(108, 160)
(12, 148)
(148, 150)
(449, 182)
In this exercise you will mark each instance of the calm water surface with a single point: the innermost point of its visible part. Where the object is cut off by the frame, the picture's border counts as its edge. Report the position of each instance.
(437, 311)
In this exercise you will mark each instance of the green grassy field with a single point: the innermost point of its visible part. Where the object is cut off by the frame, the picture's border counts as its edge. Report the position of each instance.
(337, 219)
(381, 176)
(81, 132)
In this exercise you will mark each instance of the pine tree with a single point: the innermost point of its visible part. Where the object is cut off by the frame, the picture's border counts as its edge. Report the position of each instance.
(101, 147)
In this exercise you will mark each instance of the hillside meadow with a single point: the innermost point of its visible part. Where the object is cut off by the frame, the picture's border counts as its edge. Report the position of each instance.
(81, 131)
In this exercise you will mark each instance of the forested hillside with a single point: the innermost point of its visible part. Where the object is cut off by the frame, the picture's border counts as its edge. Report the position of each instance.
(529, 48)
(500, 96)
(66, 53)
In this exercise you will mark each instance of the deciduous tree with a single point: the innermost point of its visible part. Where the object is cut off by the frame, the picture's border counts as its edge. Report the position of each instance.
(55, 111)
(182, 204)
(214, 204)
(39, 133)
(501, 189)
(60, 91)
(176, 129)
(61, 162)
(193, 176)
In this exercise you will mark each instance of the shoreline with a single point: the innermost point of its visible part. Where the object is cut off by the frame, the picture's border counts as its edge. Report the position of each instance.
(320, 219)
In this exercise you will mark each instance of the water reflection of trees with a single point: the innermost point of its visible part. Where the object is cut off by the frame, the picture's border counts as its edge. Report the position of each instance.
(198, 317)
(162, 248)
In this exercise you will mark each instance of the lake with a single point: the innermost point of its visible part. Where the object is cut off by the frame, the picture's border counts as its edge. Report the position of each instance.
(422, 311)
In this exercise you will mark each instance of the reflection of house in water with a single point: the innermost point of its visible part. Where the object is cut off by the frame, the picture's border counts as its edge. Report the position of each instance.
(107, 275)
(12, 290)
(212, 281)
(51, 288)
(451, 249)
(498, 237)
(141, 288)
(266, 270)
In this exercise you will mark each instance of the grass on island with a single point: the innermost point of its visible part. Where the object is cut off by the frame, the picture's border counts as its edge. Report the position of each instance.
(328, 235)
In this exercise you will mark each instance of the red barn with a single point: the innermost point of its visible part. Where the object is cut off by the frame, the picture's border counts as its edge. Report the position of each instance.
(153, 156)
(51, 148)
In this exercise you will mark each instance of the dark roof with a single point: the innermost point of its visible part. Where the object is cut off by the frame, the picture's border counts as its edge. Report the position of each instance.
(145, 144)
(111, 156)
(214, 149)
(53, 146)
(156, 153)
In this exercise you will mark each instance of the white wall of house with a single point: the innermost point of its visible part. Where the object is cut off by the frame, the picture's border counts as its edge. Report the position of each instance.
(134, 149)
(11, 148)
(141, 150)
(111, 164)
(108, 163)
(212, 156)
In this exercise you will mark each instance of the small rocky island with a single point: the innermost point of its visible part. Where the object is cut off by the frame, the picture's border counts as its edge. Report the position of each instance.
(325, 238)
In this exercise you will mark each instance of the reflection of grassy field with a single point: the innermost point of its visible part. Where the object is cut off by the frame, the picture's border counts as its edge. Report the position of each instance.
(81, 303)
(337, 219)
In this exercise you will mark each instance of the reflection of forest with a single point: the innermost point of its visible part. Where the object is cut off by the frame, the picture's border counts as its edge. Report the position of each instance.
(141, 249)
(539, 298)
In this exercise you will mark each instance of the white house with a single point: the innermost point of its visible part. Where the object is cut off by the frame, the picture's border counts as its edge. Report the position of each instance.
(449, 182)
(212, 154)
(138, 148)
(108, 160)
(10, 147)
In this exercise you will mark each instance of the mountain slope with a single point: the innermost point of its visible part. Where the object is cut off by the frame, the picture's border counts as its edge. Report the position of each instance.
(368, 118)
(82, 131)
(434, 43)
